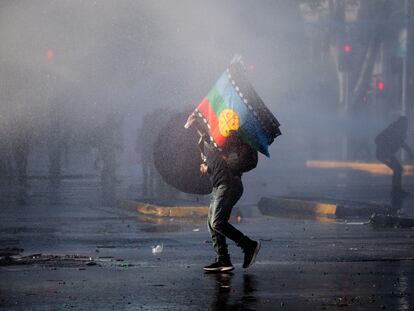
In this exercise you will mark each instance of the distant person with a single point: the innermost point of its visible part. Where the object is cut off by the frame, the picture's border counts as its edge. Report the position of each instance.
(21, 150)
(54, 142)
(225, 170)
(6, 166)
(388, 142)
(144, 150)
(20, 142)
(108, 142)
(153, 185)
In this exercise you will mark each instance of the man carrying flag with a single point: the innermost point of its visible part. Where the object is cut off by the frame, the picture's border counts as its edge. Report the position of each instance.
(233, 124)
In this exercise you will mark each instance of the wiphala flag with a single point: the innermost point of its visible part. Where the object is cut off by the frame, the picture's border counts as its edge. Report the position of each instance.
(233, 105)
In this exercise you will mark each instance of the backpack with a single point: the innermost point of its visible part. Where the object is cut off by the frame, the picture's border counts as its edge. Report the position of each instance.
(244, 160)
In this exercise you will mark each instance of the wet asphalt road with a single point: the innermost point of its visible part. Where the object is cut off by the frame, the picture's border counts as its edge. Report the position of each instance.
(303, 264)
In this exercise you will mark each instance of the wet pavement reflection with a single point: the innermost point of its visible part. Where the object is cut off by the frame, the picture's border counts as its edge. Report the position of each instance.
(227, 297)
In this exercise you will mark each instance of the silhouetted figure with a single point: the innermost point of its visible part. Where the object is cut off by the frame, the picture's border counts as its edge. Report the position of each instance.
(6, 166)
(108, 142)
(144, 145)
(21, 149)
(54, 143)
(388, 142)
(153, 185)
(20, 141)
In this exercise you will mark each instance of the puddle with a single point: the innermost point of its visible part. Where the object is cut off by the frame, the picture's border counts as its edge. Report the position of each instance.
(167, 224)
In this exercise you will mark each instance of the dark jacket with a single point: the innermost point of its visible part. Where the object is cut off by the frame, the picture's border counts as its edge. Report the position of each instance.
(218, 169)
(391, 139)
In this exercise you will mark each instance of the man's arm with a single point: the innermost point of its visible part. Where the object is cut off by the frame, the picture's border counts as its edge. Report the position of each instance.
(192, 122)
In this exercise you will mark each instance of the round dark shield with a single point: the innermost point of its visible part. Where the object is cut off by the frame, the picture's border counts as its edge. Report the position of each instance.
(177, 157)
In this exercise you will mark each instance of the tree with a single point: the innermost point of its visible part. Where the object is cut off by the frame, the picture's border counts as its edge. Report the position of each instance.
(357, 32)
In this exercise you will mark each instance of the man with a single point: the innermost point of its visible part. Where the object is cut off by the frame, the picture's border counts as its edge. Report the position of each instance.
(388, 142)
(144, 143)
(20, 142)
(225, 170)
(108, 141)
(147, 135)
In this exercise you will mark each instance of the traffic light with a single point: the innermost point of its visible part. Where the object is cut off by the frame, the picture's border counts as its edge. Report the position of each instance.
(50, 54)
(345, 57)
(380, 86)
(347, 48)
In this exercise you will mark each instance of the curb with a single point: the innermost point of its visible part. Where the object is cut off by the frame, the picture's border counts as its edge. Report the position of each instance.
(373, 168)
(288, 207)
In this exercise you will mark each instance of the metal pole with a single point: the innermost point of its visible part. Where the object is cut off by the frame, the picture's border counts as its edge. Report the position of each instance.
(404, 72)
(346, 107)
(404, 65)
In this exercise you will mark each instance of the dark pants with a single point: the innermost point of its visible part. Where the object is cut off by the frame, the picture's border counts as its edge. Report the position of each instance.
(224, 197)
(392, 162)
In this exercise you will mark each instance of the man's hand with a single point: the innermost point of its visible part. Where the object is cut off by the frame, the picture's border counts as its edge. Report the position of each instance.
(203, 168)
(190, 120)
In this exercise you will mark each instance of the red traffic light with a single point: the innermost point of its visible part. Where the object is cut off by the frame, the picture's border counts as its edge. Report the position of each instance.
(347, 48)
(50, 54)
(380, 85)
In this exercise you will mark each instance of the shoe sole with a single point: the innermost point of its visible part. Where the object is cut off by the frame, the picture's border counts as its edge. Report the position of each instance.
(256, 251)
(224, 269)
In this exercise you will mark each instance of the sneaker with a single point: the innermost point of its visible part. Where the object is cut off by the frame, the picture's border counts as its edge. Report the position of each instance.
(250, 253)
(219, 266)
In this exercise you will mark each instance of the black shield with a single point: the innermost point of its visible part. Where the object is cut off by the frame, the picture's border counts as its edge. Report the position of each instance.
(177, 157)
